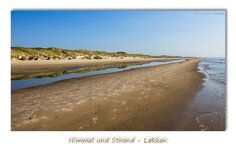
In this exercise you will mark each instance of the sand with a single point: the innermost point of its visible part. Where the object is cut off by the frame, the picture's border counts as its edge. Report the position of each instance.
(143, 99)
(26, 67)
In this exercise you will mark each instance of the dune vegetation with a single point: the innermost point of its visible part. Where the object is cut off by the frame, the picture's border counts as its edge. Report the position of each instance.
(51, 53)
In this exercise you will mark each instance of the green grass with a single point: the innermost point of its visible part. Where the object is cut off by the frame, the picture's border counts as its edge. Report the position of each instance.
(25, 53)
(38, 53)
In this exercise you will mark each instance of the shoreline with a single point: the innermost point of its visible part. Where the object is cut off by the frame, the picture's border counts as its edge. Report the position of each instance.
(142, 99)
(27, 67)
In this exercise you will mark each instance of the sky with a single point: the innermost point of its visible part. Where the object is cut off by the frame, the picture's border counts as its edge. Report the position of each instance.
(163, 32)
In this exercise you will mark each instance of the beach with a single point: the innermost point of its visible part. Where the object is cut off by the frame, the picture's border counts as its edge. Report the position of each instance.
(142, 99)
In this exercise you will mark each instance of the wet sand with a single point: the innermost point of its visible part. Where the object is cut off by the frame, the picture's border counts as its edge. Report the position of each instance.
(26, 67)
(143, 99)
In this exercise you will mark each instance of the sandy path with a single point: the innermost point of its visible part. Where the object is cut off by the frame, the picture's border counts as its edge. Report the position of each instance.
(139, 99)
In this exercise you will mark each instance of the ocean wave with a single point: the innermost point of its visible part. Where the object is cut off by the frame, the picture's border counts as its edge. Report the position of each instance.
(222, 93)
(215, 75)
(213, 121)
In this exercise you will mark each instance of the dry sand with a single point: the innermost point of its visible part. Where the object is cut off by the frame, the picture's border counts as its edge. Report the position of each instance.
(26, 67)
(140, 99)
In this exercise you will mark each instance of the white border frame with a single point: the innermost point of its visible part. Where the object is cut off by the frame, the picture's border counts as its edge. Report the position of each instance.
(183, 140)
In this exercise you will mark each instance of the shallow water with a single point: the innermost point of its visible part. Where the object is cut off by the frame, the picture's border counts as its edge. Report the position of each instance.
(206, 111)
(36, 81)
(211, 100)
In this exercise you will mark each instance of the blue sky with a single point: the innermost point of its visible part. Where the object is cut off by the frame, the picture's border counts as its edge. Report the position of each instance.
(182, 33)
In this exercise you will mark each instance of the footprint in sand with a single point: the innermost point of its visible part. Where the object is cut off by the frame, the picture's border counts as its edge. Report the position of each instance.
(44, 117)
(95, 120)
(81, 102)
(113, 117)
(30, 121)
(114, 110)
(91, 98)
(66, 109)
(124, 102)
(116, 101)
(114, 94)
(82, 127)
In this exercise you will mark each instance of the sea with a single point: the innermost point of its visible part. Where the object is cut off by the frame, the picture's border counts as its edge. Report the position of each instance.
(211, 99)
(207, 110)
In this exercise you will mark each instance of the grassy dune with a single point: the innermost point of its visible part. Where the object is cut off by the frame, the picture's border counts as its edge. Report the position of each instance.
(23, 53)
